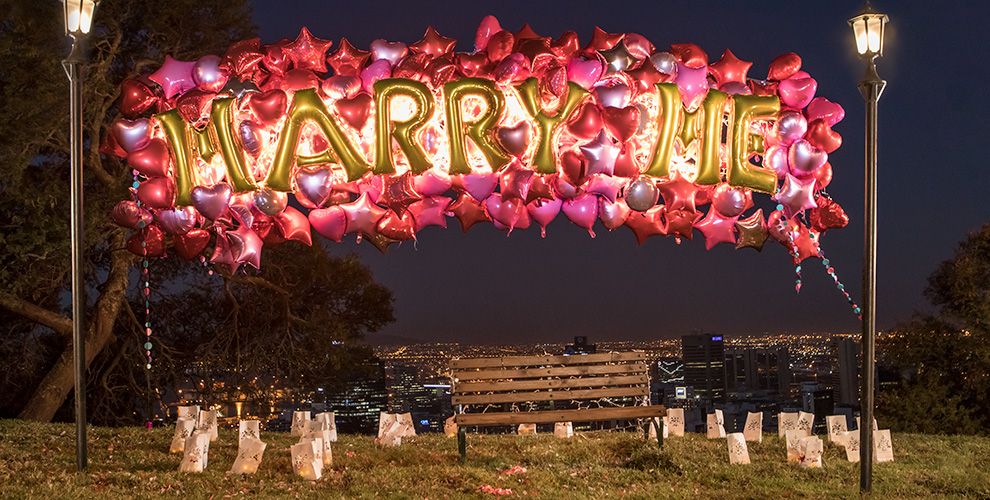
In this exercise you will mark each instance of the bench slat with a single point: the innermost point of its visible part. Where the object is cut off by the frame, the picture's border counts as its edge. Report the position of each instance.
(569, 371)
(559, 383)
(521, 361)
(522, 397)
(547, 417)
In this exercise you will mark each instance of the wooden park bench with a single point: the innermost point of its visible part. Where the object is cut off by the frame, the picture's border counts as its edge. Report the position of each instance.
(517, 390)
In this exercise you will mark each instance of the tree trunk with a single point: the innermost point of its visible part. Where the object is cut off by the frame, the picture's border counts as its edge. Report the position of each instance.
(59, 381)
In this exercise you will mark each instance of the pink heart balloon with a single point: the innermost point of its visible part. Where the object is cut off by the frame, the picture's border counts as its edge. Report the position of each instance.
(503, 211)
(543, 212)
(392, 52)
(479, 186)
(128, 214)
(132, 135)
(797, 92)
(152, 160)
(293, 225)
(693, 84)
(432, 182)
(805, 159)
(821, 108)
(375, 71)
(314, 186)
(514, 139)
(606, 186)
(776, 160)
(582, 210)
(615, 96)
(157, 192)
(211, 201)
(177, 220)
(488, 27)
(584, 72)
(330, 222)
(613, 215)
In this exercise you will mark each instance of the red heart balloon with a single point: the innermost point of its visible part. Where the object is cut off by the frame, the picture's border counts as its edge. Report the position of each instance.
(690, 55)
(575, 167)
(828, 215)
(193, 104)
(148, 242)
(587, 123)
(135, 98)
(268, 106)
(472, 64)
(824, 109)
(515, 139)
(152, 161)
(499, 46)
(784, 66)
(191, 244)
(821, 136)
(355, 110)
(621, 122)
(625, 163)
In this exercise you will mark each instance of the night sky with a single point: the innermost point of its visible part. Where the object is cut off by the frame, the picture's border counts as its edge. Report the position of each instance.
(486, 288)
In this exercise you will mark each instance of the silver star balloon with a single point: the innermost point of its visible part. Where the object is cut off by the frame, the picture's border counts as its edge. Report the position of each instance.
(664, 62)
(618, 58)
(796, 195)
(238, 88)
(601, 155)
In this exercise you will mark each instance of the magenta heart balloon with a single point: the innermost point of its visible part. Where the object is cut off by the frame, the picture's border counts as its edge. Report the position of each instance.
(821, 108)
(314, 186)
(330, 222)
(584, 72)
(791, 126)
(693, 84)
(514, 139)
(543, 212)
(432, 182)
(479, 186)
(503, 211)
(177, 220)
(375, 71)
(392, 52)
(132, 135)
(582, 210)
(613, 215)
(797, 92)
(211, 201)
(128, 214)
(805, 159)
(151, 160)
(157, 192)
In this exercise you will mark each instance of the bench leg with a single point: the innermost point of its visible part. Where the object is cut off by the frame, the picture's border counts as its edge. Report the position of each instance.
(659, 425)
(462, 443)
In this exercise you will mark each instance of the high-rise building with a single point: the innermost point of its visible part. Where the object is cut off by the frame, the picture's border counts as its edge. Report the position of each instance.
(363, 397)
(580, 346)
(845, 374)
(704, 366)
(757, 370)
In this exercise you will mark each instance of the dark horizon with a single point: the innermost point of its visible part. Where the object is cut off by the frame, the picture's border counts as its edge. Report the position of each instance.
(485, 288)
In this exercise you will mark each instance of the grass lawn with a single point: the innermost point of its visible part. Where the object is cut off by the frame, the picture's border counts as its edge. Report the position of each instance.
(37, 461)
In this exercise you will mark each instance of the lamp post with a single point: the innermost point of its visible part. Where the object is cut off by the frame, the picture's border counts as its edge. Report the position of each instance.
(868, 28)
(78, 21)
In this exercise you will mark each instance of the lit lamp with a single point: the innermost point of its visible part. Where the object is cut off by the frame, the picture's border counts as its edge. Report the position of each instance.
(868, 29)
(78, 22)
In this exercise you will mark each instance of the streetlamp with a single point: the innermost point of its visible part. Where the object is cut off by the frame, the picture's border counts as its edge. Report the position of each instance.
(78, 21)
(868, 28)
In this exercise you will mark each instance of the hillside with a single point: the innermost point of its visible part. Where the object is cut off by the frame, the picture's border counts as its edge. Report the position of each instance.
(37, 461)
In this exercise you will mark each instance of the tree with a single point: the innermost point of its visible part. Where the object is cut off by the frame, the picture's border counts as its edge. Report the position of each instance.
(944, 357)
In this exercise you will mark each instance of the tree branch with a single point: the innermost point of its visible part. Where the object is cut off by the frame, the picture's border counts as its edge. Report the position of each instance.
(61, 324)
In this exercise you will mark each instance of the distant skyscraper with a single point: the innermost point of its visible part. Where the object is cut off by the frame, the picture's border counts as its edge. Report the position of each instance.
(580, 346)
(704, 366)
(757, 369)
(362, 398)
(845, 374)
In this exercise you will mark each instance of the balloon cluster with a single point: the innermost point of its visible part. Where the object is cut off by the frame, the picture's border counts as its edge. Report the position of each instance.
(385, 142)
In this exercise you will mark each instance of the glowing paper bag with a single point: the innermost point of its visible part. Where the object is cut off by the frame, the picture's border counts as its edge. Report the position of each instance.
(208, 423)
(836, 426)
(196, 453)
(300, 423)
(851, 441)
(248, 429)
(316, 432)
(883, 447)
(792, 438)
(806, 422)
(738, 450)
(715, 427)
(753, 431)
(408, 429)
(249, 453)
(563, 429)
(328, 422)
(189, 411)
(810, 448)
(304, 463)
(450, 427)
(786, 421)
(184, 427)
(675, 418)
(526, 429)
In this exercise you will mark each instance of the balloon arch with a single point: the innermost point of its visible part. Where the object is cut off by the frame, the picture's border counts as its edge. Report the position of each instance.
(385, 142)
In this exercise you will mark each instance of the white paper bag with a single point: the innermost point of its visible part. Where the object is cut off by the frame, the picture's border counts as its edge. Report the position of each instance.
(189, 411)
(875, 426)
(317, 444)
(753, 430)
(811, 449)
(792, 438)
(738, 450)
(715, 427)
(661, 422)
(408, 428)
(883, 447)
(806, 423)
(208, 423)
(249, 454)
(300, 423)
(328, 421)
(196, 454)
(450, 427)
(563, 430)
(850, 439)
(836, 426)
(184, 427)
(327, 450)
(526, 430)
(304, 463)
(786, 421)
(675, 419)
(400, 423)
(248, 429)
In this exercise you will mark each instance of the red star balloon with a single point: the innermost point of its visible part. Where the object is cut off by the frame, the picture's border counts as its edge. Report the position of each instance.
(680, 223)
(515, 180)
(362, 216)
(309, 52)
(807, 246)
(397, 227)
(647, 224)
(645, 78)
(468, 211)
(398, 193)
(679, 194)
(348, 60)
(730, 69)
(433, 44)
(752, 231)
(717, 229)
(242, 58)
(602, 40)
(527, 33)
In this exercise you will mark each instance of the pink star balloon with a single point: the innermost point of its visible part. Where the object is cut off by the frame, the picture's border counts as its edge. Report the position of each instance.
(362, 216)
(796, 195)
(174, 76)
(601, 154)
(717, 229)
(430, 212)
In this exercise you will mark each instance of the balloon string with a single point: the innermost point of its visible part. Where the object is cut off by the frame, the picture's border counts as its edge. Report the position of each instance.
(796, 257)
(146, 293)
(827, 264)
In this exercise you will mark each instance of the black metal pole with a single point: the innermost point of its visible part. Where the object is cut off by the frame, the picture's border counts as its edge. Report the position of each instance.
(72, 69)
(871, 87)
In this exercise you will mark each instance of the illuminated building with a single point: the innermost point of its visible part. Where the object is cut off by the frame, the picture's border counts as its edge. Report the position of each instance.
(704, 366)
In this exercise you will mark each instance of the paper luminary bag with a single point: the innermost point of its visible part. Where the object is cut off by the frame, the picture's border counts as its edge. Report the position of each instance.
(811, 448)
(189, 411)
(300, 423)
(806, 422)
(316, 431)
(738, 450)
(408, 428)
(792, 438)
(563, 429)
(304, 463)
(662, 423)
(196, 453)
(450, 427)
(401, 421)
(248, 429)
(526, 430)
(850, 439)
(836, 426)
(753, 430)
(875, 426)
(208, 423)
(883, 447)
(249, 454)
(786, 421)
(328, 422)
(390, 430)
(675, 419)
(715, 427)
(317, 444)
(184, 427)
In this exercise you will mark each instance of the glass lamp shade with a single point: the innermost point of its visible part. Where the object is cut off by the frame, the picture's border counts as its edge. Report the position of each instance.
(79, 16)
(868, 29)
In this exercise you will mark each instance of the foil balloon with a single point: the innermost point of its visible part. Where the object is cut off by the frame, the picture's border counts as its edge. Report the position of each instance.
(191, 244)
(148, 242)
(728, 201)
(177, 220)
(543, 212)
(582, 210)
(331, 222)
(211, 202)
(314, 185)
(129, 214)
(641, 194)
(269, 201)
(208, 75)
(151, 160)
(132, 135)
(613, 214)
(157, 192)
